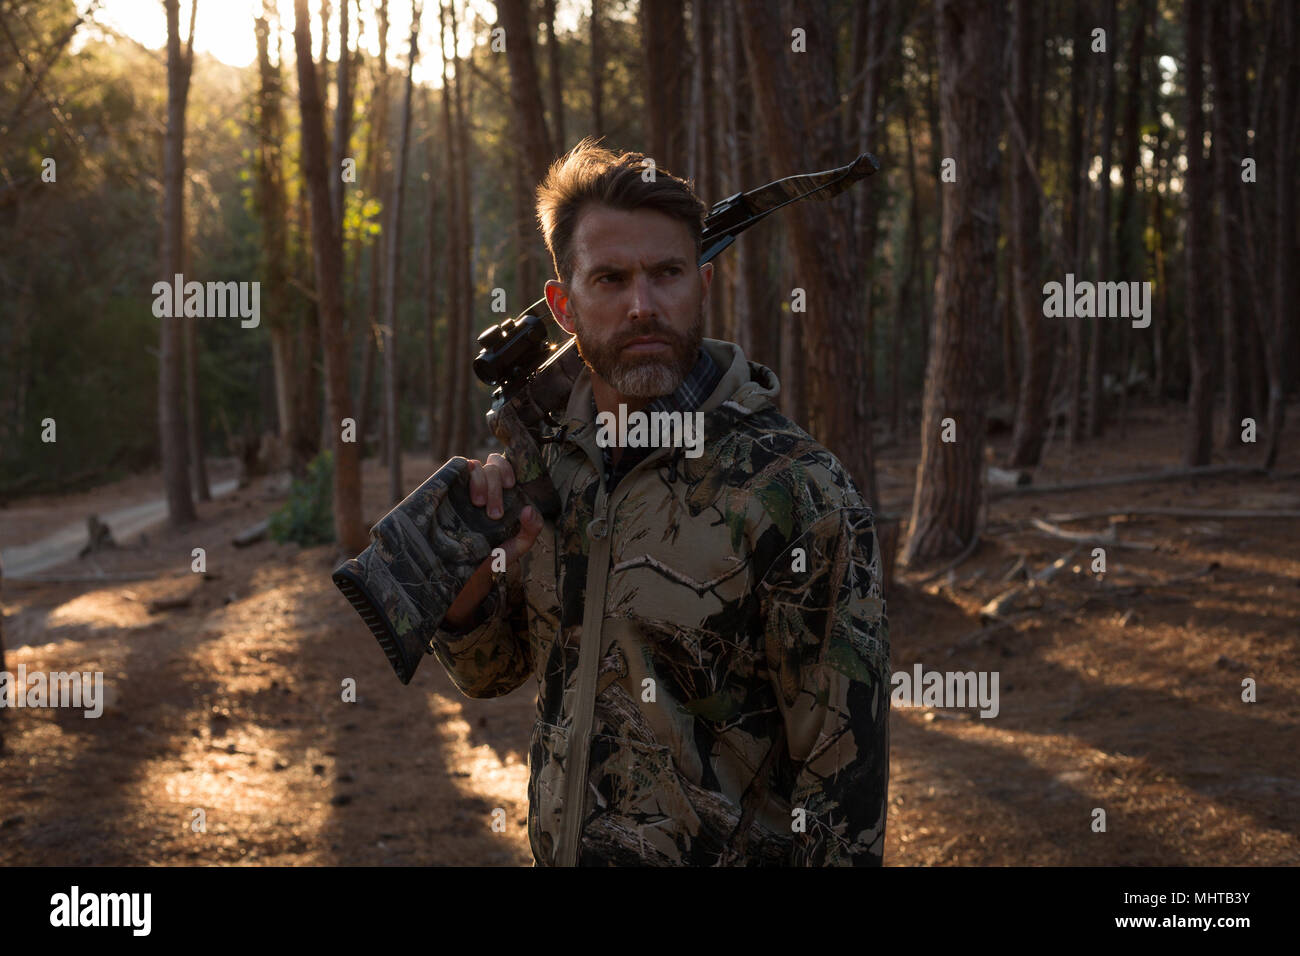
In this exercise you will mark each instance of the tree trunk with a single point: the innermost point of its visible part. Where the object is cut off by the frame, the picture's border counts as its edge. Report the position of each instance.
(342, 117)
(194, 412)
(525, 88)
(272, 210)
(1032, 402)
(597, 72)
(349, 528)
(878, 36)
(1284, 252)
(1229, 239)
(392, 422)
(377, 165)
(1200, 431)
(173, 434)
(1095, 412)
(433, 266)
(554, 76)
(1128, 237)
(791, 88)
(945, 507)
(665, 71)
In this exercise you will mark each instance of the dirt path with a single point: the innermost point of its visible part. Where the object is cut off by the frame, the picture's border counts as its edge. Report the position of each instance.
(232, 706)
(125, 522)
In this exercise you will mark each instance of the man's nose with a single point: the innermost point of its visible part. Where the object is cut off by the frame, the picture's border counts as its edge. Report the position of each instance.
(642, 305)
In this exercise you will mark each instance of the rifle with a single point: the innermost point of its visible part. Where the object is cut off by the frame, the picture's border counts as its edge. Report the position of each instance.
(424, 551)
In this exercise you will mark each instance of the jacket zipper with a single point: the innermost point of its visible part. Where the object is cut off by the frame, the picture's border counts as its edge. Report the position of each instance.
(593, 621)
(593, 617)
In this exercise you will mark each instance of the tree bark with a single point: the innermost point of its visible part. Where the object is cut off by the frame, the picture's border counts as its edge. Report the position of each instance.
(1094, 411)
(554, 77)
(272, 210)
(1032, 402)
(377, 165)
(342, 117)
(597, 72)
(664, 52)
(525, 87)
(1229, 239)
(945, 508)
(349, 529)
(1128, 237)
(173, 434)
(1196, 449)
(392, 421)
(1284, 252)
(791, 89)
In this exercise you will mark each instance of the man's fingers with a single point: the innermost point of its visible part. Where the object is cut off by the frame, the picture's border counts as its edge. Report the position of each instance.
(477, 483)
(502, 464)
(530, 524)
(492, 476)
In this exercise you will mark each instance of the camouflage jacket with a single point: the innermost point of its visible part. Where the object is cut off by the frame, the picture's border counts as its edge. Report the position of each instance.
(710, 647)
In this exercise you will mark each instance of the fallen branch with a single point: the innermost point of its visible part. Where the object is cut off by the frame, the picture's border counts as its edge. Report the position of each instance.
(970, 549)
(1168, 474)
(1056, 567)
(102, 578)
(252, 534)
(1109, 539)
(1174, 513)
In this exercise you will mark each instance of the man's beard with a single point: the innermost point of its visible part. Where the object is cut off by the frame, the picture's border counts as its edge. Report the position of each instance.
(648, 376)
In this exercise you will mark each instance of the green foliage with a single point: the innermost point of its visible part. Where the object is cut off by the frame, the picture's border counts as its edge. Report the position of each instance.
(308, 516)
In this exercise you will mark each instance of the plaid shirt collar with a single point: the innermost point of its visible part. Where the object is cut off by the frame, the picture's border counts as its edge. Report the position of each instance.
(695, 389)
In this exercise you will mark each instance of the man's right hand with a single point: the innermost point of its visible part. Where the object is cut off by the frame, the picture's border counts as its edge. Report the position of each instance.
(486, 482)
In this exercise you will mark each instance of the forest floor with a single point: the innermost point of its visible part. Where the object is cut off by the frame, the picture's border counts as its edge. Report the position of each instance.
(225, 738)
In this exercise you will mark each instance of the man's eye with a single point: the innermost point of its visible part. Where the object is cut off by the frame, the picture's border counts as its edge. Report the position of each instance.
(612, 277)
(673, 271)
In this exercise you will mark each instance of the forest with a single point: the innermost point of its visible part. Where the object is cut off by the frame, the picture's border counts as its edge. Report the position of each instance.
(1068, 151)
(1068, 282)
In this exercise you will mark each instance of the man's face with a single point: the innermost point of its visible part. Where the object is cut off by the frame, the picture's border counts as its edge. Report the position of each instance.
(635, 300)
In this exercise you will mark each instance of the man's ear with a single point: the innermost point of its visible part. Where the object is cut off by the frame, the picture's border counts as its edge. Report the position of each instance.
(557, 297)
(706, 276)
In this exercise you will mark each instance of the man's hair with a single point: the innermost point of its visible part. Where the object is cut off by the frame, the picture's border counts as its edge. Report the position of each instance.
(590, 174)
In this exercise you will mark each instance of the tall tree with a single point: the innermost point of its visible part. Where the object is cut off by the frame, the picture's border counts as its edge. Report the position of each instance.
(875, 38)
(1281, 337)
(598, 69)
(1200, 398)
(173, 433)
(1094, 411)
(1036, 342)
(795, 93)
(1229, 135)
(271, 205)
(349, 529)
(377, 173)
(1128, 237)
(554, 77)
(525, 88)
(945, 507)
(342, 116)
(535, 150)
(664, 78)
(393, 443)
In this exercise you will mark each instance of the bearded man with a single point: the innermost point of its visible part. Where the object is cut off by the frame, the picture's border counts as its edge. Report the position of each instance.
(706, 631)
